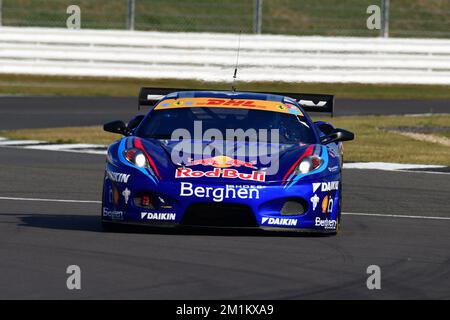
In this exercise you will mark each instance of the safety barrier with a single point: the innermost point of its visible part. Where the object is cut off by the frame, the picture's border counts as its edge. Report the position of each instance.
(212, 57)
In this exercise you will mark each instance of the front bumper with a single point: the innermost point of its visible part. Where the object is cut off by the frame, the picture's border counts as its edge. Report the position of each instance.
(172, 203)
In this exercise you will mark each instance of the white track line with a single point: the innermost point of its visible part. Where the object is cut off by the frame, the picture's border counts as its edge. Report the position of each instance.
(388, 166)
(49, 200)
(393, 216)
(86, 151)
(418, 171)
(344, 213)
(394, 167)
(19, 143)
(59, 147)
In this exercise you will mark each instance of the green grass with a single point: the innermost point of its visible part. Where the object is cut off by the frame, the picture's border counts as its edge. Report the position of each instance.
(427, 128)
(372, 142)
(417, 18)
(445, 134)
(62, 86)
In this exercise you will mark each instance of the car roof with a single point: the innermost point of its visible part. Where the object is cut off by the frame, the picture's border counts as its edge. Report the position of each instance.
(230, 99)
(229, 95)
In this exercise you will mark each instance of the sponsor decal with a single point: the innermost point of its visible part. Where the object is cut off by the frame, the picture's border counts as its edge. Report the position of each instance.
(229, 103)
(118, 177)
(179, 103)
(293, 109)
(326, 186)
(325, 223)
(333, 169)
(330, 186)
(221, 173)
(163, 204)
(327, 204)
(158, 216)
(115, 195)
(315, 200)
(218, 194)
(222, 162)
(115, 215)
(126, 195)
(279, 221)
(316, 186)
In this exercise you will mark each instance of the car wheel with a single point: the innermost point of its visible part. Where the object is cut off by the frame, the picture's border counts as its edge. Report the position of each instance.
(106, 226)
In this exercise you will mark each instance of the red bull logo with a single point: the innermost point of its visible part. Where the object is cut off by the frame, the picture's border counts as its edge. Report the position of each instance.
(222, 162)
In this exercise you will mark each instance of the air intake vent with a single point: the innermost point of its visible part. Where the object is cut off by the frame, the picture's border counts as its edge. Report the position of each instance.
(293, 208)
(219, 215)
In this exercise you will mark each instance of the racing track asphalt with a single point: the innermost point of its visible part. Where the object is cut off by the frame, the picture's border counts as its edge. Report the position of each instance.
(38, 240)
(18, 112)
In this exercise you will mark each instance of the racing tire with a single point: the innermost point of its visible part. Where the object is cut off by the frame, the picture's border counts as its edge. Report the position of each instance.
(106, 225)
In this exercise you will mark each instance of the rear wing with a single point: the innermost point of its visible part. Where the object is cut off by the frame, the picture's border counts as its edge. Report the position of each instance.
(308, 101)
(311, 102)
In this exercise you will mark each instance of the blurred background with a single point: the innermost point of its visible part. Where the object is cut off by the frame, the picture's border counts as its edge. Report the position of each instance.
(407, 18)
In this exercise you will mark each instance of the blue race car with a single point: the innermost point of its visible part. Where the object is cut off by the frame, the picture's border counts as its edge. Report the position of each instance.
(226, 159)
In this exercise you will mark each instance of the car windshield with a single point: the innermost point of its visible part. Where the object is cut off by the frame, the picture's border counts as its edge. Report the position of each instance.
(162, 123)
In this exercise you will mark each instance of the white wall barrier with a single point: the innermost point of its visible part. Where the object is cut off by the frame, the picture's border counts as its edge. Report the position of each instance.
(211, 57)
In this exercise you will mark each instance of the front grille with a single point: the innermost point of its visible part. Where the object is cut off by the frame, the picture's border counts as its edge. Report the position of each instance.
(219, 215)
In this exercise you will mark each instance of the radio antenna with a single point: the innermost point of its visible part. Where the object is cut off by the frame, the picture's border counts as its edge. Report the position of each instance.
(233, 88)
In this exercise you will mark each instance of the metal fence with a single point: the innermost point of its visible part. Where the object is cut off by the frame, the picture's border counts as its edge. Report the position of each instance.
(402, 18)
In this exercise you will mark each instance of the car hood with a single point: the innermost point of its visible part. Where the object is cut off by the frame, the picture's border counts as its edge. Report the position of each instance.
(253, 164)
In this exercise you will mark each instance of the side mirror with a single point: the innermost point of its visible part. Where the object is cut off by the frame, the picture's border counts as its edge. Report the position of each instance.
(338, 135)
(135, 122)
(116, 127)
(325, 127)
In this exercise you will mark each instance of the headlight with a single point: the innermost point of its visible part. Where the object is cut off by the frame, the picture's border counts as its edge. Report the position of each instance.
(309, 164)
(140, 160)
(136, 157)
